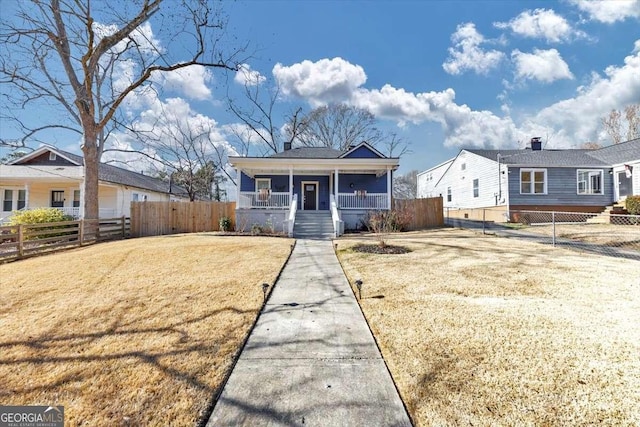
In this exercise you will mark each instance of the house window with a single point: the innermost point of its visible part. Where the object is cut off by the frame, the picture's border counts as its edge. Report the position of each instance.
(463, 166)
(476, 187)
(57, 199)
(76, 198)
(135, 197)
(22, 198)
(263, 184)
(590, 181)
(533, 181)
(52, 156)
(7, 201)
(448, 194)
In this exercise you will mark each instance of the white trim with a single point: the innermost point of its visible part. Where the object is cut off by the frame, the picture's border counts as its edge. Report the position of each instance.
(37, 153)
(533, 181)
(261, 179)
(363, 144)
(317, 184)
(588, 187)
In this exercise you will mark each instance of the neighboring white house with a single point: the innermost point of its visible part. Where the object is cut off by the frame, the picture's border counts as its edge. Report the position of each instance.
(50, 177)
(575, 180)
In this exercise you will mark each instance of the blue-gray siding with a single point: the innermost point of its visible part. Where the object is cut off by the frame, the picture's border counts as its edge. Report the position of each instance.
(362, 153)
(561, 189)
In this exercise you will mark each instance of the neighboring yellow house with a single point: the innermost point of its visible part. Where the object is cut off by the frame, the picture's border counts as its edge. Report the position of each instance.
(50, 177)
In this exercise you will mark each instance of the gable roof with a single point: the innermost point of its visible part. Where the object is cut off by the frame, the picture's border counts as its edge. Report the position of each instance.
(106, 172)
(365, 145)
(308, 153)
(543, 158)
(619, 153)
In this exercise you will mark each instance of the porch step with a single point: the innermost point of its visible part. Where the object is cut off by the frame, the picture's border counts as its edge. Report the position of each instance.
(605, 216)
(313, 225)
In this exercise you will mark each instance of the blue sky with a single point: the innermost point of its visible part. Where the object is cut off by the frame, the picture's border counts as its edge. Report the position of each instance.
(444, 75)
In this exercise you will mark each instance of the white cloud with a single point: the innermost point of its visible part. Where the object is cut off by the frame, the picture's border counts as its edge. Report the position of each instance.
(467, 55)
(324, 81)
(541, 23)
(569, 123)
(577, 120)
(636, 47)
(543, 65)
(609, 11)
(248, 77)
(191, 81)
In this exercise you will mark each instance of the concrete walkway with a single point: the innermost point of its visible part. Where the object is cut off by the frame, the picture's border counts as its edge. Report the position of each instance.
(311, 359)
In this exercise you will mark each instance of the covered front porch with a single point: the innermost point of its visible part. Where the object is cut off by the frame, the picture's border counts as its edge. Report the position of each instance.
(64, 195)
(315, 190)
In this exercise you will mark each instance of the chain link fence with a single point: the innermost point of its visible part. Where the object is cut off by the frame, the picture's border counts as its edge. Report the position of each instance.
(607, 234)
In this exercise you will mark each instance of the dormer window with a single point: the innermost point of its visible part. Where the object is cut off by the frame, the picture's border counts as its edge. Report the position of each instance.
(52, 156)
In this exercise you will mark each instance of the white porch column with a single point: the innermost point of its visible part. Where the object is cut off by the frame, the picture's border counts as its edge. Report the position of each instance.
(290, 186)
(26, 196)
(335, 188)
(388, 187)
(238, 184)
(81, 211)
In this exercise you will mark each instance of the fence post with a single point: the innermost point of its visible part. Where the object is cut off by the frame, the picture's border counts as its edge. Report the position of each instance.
(553, 222)
(483, 218)
(123, 227)
(81, 237)
(20, 240)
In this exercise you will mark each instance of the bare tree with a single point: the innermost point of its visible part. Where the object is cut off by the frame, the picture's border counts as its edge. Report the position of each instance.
(84, 58)
(614, 126)
(182, 148)
(339, 126)
(259, 125)
(406, 186)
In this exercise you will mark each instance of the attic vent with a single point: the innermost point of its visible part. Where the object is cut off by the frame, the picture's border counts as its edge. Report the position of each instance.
(52, 156)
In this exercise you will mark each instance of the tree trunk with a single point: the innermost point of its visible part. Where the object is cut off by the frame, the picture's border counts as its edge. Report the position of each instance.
(91, 164)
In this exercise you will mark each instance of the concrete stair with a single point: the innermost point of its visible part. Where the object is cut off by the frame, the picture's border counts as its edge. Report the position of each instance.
(313, 225)
(605, 216)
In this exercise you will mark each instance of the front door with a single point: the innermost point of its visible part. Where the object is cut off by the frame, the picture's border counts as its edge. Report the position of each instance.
(310, 196)
(624, 185)
(57, 199)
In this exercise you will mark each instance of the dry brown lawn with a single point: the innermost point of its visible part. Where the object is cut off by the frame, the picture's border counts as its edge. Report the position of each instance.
(136, 332)
(482, 330)
(621, 236)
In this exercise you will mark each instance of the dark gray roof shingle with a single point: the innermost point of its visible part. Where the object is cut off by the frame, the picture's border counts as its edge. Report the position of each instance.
(116, 175)
(549, 158)
(618, 153)
(309, 153)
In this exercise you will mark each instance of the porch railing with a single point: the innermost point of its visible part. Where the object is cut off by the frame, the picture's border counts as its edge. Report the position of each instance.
(263, 199)
(363, 200)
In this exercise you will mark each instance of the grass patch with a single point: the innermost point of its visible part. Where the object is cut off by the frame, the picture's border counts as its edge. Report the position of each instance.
(135, 332)
(481, 330)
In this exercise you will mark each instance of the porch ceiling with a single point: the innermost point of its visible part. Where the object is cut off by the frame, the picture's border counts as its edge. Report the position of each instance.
(256, 166)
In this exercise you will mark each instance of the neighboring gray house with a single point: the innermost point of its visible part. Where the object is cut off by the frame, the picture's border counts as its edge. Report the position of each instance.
(574, 180)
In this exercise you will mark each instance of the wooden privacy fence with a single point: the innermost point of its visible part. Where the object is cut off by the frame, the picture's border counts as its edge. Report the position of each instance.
(159, 218)
(424, 213)
(24, 240)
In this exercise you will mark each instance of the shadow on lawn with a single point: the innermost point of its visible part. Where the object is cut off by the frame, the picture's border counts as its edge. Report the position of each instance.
(72, 366)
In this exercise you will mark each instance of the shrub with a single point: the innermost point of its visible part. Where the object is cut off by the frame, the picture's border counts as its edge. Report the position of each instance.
(256, 229)
(40, 216)
(380, 222)
(632, 205)
(225, 223)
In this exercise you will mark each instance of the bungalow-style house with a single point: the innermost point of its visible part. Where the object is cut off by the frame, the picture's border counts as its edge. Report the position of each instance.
(571, 180)
(311, 191)
(50, 177)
